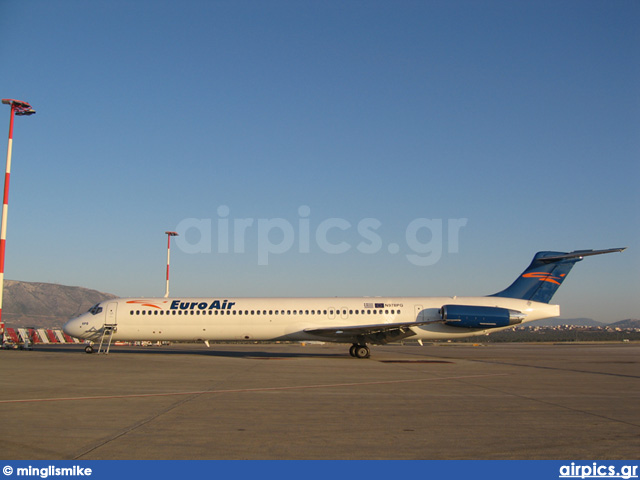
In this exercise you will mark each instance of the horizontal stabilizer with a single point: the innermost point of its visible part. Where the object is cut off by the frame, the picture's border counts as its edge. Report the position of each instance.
(580, 253)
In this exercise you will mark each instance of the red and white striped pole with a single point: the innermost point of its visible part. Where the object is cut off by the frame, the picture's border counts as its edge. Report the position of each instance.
(17, 108)
(169, 235)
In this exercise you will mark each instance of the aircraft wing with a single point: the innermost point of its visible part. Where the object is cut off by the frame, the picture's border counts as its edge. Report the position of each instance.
(380, 333)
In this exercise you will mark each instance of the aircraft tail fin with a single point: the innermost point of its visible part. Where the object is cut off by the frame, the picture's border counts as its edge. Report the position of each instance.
(546, 273)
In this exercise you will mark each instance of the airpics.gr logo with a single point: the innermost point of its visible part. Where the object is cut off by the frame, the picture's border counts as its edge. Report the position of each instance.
(545, 277)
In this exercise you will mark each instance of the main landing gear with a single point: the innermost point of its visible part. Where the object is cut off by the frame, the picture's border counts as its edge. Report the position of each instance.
(359, 351)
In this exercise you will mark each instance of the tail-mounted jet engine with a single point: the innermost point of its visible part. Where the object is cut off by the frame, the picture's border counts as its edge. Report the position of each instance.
(470, 316)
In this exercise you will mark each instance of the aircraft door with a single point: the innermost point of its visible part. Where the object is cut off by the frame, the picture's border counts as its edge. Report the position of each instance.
(112, 309)
(419, 313)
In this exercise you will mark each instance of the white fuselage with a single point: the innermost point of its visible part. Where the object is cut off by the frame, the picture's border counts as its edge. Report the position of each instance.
(271, 319)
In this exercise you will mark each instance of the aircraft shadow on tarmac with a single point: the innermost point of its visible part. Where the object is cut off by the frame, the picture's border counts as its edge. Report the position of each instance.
(242, 352)
(227, 352)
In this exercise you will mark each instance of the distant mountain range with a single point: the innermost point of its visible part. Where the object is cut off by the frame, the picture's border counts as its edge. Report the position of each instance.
(29, 304)
(578, 322)
(628, 323)
(584, 322)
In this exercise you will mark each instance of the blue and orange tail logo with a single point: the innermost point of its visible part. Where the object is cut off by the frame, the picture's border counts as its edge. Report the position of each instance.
(546, 277)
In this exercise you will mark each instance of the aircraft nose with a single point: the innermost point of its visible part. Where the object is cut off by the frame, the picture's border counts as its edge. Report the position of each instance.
(73, 327)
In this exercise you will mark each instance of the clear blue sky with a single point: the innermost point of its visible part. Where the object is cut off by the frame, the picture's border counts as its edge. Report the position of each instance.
(359, 127)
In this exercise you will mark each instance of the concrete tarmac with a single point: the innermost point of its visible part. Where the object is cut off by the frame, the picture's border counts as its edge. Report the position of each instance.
(498, 401)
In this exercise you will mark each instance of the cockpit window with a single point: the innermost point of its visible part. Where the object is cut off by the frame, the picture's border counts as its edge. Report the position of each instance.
(95, 309)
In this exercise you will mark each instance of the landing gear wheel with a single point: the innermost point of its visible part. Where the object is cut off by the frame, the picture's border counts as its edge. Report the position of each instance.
(352, 350)
(88, 349)
(361, 351)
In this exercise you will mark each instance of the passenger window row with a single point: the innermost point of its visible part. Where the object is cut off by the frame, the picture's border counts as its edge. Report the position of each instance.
(266, 312)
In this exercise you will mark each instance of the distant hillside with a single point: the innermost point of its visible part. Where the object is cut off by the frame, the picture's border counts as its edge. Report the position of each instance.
(27, 304)
(578, 322)
(629, 323)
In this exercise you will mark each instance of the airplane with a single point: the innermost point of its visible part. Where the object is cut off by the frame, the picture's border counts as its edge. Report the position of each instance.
(357, 321)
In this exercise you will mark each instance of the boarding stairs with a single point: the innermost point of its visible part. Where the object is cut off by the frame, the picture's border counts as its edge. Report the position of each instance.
(108, 330)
